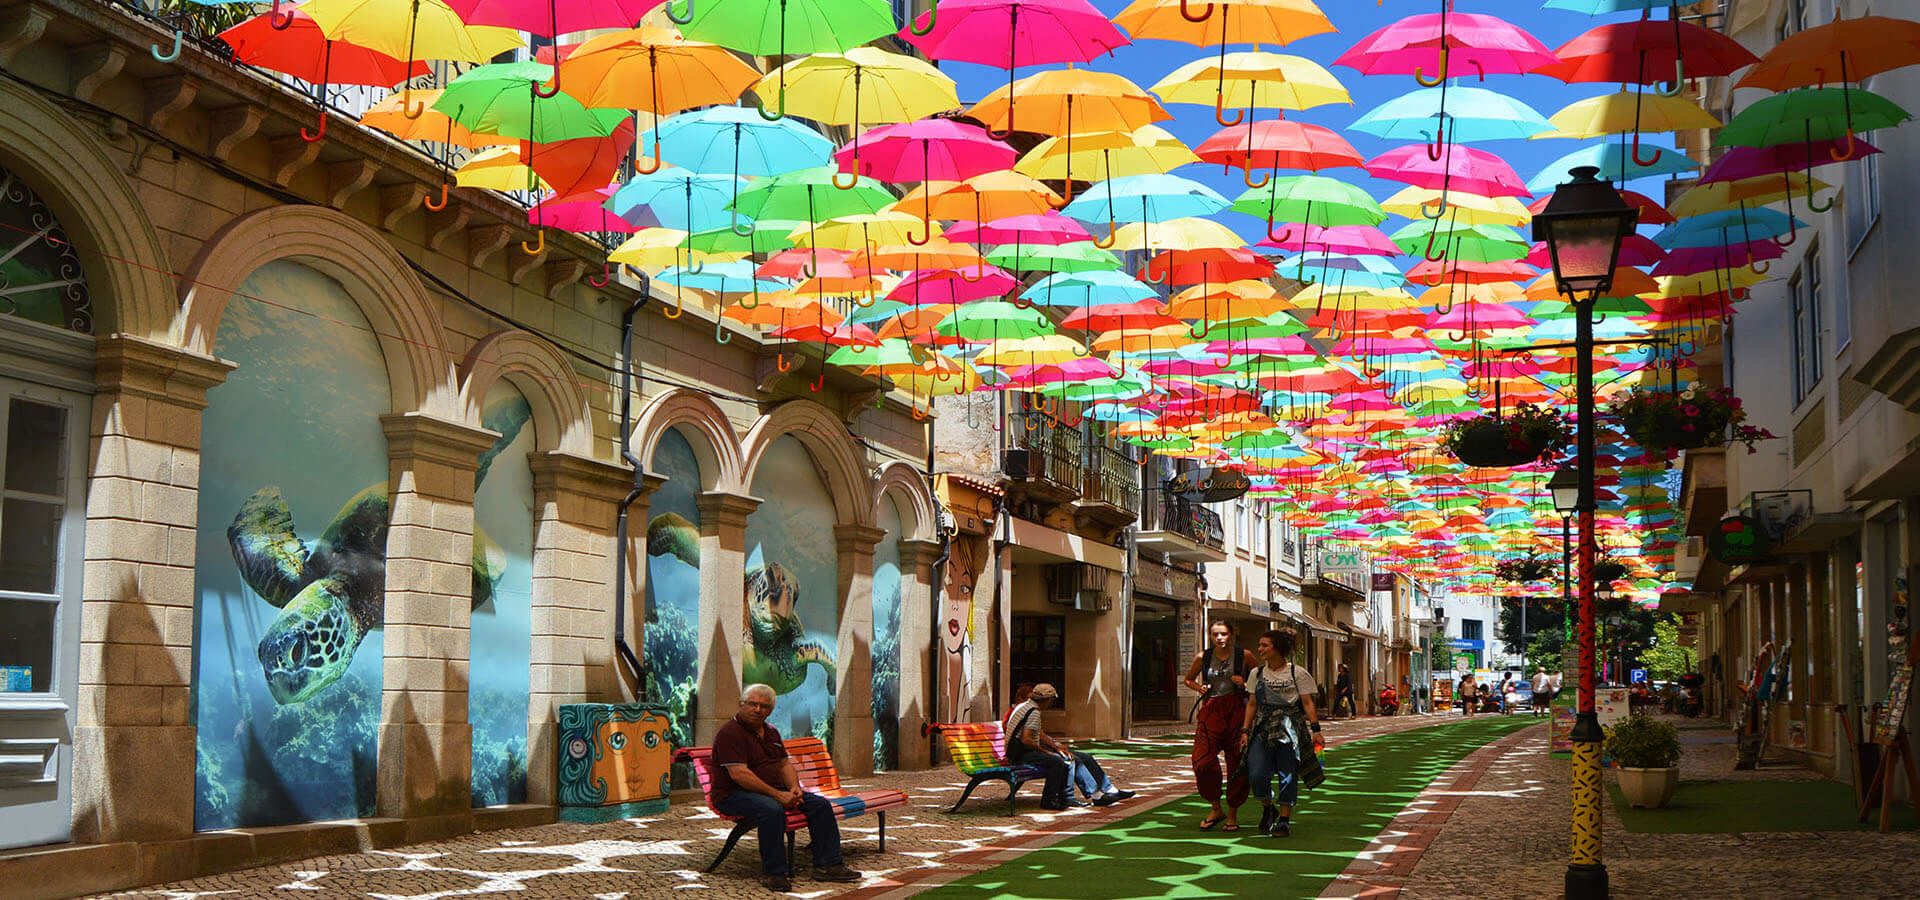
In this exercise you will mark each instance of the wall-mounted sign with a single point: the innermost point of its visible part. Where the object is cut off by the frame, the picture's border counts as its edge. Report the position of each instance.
(1737, 541)
(1383, 581)
(1336, 560)
(1208, 485)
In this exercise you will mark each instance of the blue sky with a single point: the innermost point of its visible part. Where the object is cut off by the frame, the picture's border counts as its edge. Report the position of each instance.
(1147, 61)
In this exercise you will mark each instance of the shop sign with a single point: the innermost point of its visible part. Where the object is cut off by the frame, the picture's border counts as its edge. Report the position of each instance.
(1208, 485)
(1342, 561)
(1383, 581)
(1738, 541)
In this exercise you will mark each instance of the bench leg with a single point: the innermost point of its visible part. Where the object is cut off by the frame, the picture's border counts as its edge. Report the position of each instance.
(883, 830)
(1013, 787)
(732, 839)
(971, 784)
(789, 851)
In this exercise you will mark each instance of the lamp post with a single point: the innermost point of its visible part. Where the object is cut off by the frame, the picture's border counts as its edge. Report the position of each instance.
(1583, 226)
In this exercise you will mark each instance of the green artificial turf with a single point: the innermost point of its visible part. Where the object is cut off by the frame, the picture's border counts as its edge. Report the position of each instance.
(1731, 807)
(1166, 746)
(1161, 852)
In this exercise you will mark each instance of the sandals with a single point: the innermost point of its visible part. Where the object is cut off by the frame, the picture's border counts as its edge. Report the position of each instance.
(1207, 823)
(1231, 826)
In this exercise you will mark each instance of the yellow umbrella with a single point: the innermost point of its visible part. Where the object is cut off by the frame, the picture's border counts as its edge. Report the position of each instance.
(1033, 351)
(1674, 286)
(996, 195)
(776, 308)
(390, 116)
(1621, 113)
(1329, 295)
(1463, 208)
(1148, 150)
(658, 248)
(938, 253)
(653, 69)
(1230, 305)
(938, 385)
(410, 29)
(858, 232)
(1253, 78)
(1161, 337)
(1176, 234)
(1757, 191)
(1239, 22)
(1066, 101)
(499, 169)
(864, 84)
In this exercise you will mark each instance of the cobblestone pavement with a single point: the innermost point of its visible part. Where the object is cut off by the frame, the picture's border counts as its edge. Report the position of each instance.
(654, 855)
(1508, 838)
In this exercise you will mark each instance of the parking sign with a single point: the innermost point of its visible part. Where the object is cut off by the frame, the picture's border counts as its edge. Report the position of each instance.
(1637, 676)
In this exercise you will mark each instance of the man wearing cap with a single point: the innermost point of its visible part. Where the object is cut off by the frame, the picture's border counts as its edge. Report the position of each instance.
(1029, 744)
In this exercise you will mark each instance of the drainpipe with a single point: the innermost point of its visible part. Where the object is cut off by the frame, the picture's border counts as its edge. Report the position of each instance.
(936, 673)
(627, 366)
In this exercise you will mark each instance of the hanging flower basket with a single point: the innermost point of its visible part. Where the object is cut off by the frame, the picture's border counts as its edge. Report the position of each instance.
(1528, 434)
(1607, 571)
(1524, 569)
(1665, 422)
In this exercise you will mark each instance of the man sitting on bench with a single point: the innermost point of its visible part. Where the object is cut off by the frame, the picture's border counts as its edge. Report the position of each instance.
(754, 779)
(1028, 744)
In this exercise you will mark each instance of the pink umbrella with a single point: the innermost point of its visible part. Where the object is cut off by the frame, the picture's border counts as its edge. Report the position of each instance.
(1183, 367)
(925, 150)
(1291, 345)
(1437, 272)
(929, 286)
(1049, 229)
(1435, 42)
(583, 212)
(1358, 240)
(1014, 33)
(1378, 346)
(1477, 316)
(1082, 369)
(1751, 162)
(553, 17)
(1474, 171)
(1694, 260)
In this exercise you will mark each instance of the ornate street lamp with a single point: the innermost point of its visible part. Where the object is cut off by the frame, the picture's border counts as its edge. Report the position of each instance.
(1583, 226)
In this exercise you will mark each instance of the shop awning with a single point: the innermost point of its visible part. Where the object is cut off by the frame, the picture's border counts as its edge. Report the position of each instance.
(1366, 633)
(1062, 547)
(1318, 627)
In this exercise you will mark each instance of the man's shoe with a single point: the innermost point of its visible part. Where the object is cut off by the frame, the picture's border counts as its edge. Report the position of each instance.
(1107, 799)
(779, 883)
(1122, 795)
(1267, 817)
(836, 872)
(1282, 829)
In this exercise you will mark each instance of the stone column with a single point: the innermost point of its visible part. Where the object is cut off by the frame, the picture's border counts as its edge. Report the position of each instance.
(426, 742)
(919, 663)
(853, 657)
(723, 607)
(133, 741)
(575, 503)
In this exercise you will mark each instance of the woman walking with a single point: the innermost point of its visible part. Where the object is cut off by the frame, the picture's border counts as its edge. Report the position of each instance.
(1220, 675)
(1278, 722)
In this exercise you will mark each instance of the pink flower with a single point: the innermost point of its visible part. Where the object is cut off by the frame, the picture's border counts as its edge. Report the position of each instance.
(1690, 410)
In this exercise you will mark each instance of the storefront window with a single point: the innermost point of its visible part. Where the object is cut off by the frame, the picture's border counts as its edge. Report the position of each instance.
(1040, 652)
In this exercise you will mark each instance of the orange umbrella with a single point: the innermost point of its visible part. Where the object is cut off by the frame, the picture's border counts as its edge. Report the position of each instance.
(653, 69)
(1065, 101)
(390, 116)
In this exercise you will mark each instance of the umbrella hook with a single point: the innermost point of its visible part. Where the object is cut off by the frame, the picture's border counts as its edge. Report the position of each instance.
(1679, 76)
(316, 137)
(1419, 74)
(1840, 155)
(979, 270)
(553, 22)
(411, 109)
(1164, 278)
(1066, 178)
(531, 249)
(1248, 177)
(1760, 266)
(720, 334)
(178, 37)
(780, 362)
(605, 276)
(275, 20)
(919, 415)
(1636, 153)
(679, 302)
(1205, 327)
(1793, 234)
(1220, 110)
(819, 381)
(1439, 208)
(1428, 254)
(933, 18)
(853, 177)
(1284, 236)
(693, 266)
(1439, 145)
(682, 18)
(428, 201)
(1113, 231)
(1206, 12)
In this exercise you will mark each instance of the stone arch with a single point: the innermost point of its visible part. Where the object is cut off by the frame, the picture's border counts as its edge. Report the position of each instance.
(380, 280)
(543, 375)
(128, 276)
(908, 488)
(706, 429)
(842, 466)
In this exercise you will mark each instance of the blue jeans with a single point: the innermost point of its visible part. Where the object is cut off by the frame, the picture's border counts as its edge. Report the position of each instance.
(1266, 760)
(1090, 785)
(822, 828)
(1059, 771)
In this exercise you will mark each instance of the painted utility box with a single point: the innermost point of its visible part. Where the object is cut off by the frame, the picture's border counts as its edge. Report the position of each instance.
(614, 760)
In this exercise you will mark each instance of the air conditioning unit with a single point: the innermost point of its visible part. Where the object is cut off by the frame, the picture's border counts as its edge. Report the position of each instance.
(1085, 587)
(1017, 463)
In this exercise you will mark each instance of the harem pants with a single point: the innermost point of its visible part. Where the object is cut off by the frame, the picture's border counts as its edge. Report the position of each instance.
(1217, 732)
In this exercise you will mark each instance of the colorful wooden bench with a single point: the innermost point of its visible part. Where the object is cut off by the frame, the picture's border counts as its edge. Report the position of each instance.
(817, 775)
(976, 750)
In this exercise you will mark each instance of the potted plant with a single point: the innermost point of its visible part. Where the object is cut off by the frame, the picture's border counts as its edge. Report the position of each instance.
(1647, 753)
(1527, 434)
(1607, 571)
(1527, 568)
(1664, 422)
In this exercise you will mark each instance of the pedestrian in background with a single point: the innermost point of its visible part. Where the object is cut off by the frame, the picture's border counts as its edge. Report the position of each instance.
(1469, 694)
(1220, 675)
(1539, 686)
(1279, 725)
(1343, 693)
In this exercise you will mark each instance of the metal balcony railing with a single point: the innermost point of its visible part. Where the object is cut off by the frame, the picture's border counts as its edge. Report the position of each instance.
(1189, 520)
(1054, 450)
(1112, 479)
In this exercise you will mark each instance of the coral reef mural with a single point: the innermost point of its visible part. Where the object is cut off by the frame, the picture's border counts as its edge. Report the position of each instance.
(673, 591)
(501, 640)
(793, 585)
(290, 558)
(886, 642)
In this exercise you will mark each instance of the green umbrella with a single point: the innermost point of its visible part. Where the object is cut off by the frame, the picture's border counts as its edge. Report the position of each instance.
(809, 195)
(1809, 114)
(987, 320)
(891, 352)
(501, 99)
(798, 26)
(1312, 199)
(1079, 256)
(1462, 243)
(763, 236)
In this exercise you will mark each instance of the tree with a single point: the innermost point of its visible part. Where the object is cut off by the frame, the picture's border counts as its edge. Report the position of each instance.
(1665, 659)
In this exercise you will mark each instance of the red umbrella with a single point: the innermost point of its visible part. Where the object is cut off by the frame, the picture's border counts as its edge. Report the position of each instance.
(1208, 265)
(951, 285)
(1645, 51)
(301, 50)
(584, 211)
(1277, 144)
(1115, 316)
(580, 164)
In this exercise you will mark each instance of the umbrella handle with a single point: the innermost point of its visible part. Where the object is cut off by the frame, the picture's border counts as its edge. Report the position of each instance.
(1811, 206)
(1438, 211)
(1419, 71)
(1147, 273)
(1219, 109)
(436, 207)
(531, 249)
(853, 178)
(1439, 145)
(979, 268)
(1205, 327)
(414, 110)
(1247, 177)
(819, 381)
(1021, 302)
(1428, 253)
(780, 362)
(1679, 78)
(694, 267)
(1283, 236)
(542, 92)
(779, 113)
(604, 278)
(274, 19)
(1839, 155)
(682, 18)
(1206, 12)
(1792, 235)
(919, 415)
(679, 303)
(178, 37)
(735, 226)
(926, 229)
(316, 136)
(933, 17)
(1636, 153)
(1113, 234)
(1760, 266)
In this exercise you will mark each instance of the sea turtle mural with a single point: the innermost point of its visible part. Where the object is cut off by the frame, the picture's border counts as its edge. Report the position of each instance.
(331, 594)
(671, 534)
(778, 649)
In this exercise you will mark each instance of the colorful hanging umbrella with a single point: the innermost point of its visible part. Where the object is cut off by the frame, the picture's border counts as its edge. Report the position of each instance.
(926, 150)
(410, 29)
(1250, 80)
(1009, 34)
(1063, 101)
(300, 49)
(1461, 114)
(1464, 168)
(676, 198)
(1277, 145)
(1239, 22)
(551, 18)
(1437, 43)
(1146, 150)
(735, 140)
(1809, 114)
(503, 99)
(390, 115)
(1647, 52)
(653, 70)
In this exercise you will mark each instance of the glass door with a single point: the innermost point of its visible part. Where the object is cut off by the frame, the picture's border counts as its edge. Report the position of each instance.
(42, 522)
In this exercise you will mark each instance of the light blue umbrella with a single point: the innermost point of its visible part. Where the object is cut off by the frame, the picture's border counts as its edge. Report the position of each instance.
(1092, 288)
(1726, 227)
(1615, 162)
(735, 140)
(1145, 198)
(677, 198)
(721, 277)
(881, 311)
(1471, 114)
